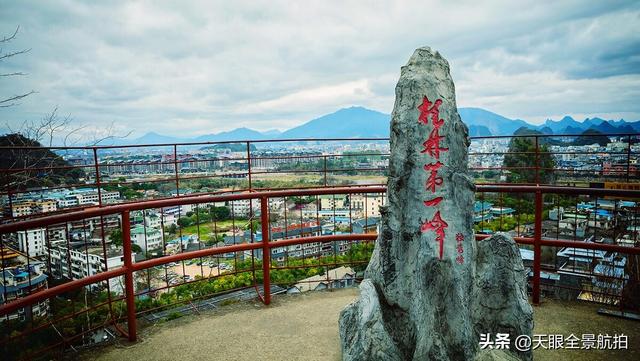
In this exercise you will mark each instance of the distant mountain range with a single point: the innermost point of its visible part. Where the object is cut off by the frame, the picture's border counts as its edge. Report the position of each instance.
(359, 122)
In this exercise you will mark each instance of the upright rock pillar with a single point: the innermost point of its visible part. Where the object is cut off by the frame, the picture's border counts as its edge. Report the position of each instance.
(416, 299)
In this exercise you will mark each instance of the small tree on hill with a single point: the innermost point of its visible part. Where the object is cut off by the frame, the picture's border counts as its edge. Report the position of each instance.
(522, 159)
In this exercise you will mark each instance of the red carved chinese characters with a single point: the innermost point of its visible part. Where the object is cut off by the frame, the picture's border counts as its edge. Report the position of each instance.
(431, 111)
(437, 225)
(433, 202)
(432, 145)
(428, 108)
(433, 179)
(459, 248)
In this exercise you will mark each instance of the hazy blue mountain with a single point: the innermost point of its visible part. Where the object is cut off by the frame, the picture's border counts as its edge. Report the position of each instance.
(359, 122)
(593, 121)
(153, 137)
(354, 122)
(559, 126)
(608, 128)
(546, 130)
(570, 130)
(236, 134)
(148, 138)
(272, 133)
(497, 124)
(479, 131)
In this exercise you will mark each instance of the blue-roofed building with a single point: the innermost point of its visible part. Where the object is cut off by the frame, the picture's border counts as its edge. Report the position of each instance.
(482, 218)
(366, 225)
(527, 257)
(482, 212)
(482, 207)
(20, 281)
(585, 206)
(609, 273)
(502, 211)
(627, 204)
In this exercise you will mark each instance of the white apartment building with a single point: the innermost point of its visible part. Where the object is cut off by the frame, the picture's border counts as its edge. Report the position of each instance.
(240, 208)
(80, 263)
(333, 201)
(147, 238)
(92, 197)
(20, 281)
(368, 204)
(87, 198)
(32, 242)
(21, 209)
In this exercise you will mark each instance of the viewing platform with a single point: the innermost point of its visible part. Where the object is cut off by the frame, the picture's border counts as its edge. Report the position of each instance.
(112, 264)
(305, 327)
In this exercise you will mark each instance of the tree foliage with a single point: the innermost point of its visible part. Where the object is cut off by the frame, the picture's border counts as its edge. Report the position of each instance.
(523, 160)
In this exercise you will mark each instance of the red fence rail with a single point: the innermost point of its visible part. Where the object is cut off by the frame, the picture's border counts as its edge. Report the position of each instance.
(129, 268)
(255, 192)
(176, 163)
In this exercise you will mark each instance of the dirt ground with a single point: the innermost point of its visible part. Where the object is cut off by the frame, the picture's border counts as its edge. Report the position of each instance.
(572, 317)
(305, 327)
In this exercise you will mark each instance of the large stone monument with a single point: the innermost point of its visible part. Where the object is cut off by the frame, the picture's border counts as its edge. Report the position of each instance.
(417, 299)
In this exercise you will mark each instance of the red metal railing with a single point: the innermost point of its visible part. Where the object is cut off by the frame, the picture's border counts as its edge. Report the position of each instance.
(172, 163)
(129, 267)
(538, 239)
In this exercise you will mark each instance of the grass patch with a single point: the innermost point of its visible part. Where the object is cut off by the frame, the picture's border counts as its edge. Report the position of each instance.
(206, 230)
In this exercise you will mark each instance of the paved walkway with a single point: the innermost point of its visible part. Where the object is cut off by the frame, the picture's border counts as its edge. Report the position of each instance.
(305, 327)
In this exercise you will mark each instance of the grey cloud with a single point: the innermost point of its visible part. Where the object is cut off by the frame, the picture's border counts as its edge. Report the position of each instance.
(156, 66)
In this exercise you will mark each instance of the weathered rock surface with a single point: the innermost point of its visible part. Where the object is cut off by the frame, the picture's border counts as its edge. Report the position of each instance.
(500, 294)
(416, 301)
(495, 355)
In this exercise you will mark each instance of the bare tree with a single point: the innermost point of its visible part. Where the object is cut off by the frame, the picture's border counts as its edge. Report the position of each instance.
(12, 99)
(27, 157)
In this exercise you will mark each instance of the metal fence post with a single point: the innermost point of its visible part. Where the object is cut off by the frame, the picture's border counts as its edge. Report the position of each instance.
(128, 276)
(97, 169)
(249, 167)
(325, 170)
(537, 237)
(628, 156)
(266, 251)
(175, 167)
(537, 160)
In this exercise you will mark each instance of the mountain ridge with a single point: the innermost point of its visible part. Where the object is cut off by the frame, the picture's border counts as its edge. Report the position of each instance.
(360, 122)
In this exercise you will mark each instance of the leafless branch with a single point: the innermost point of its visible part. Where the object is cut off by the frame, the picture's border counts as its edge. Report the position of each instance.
(10, 101)
(8, 55)
(8, 39)
(13, 74)
(110, 131)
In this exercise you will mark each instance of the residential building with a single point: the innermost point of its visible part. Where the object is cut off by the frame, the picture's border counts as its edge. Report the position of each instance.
(340, 277)
(25, 208)
(482, 211)
(502, 211)
(241, 207)
(330, 202)
(147, 238)
(20, 280)
(92, 197)
(368, 204)
(82, 261)
(32, 242)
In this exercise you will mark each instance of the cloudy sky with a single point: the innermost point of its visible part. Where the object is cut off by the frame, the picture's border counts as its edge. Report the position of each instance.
(197, 68)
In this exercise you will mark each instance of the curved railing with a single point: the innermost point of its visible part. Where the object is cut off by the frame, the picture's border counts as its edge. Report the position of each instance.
(127, 270)
(258, 266)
